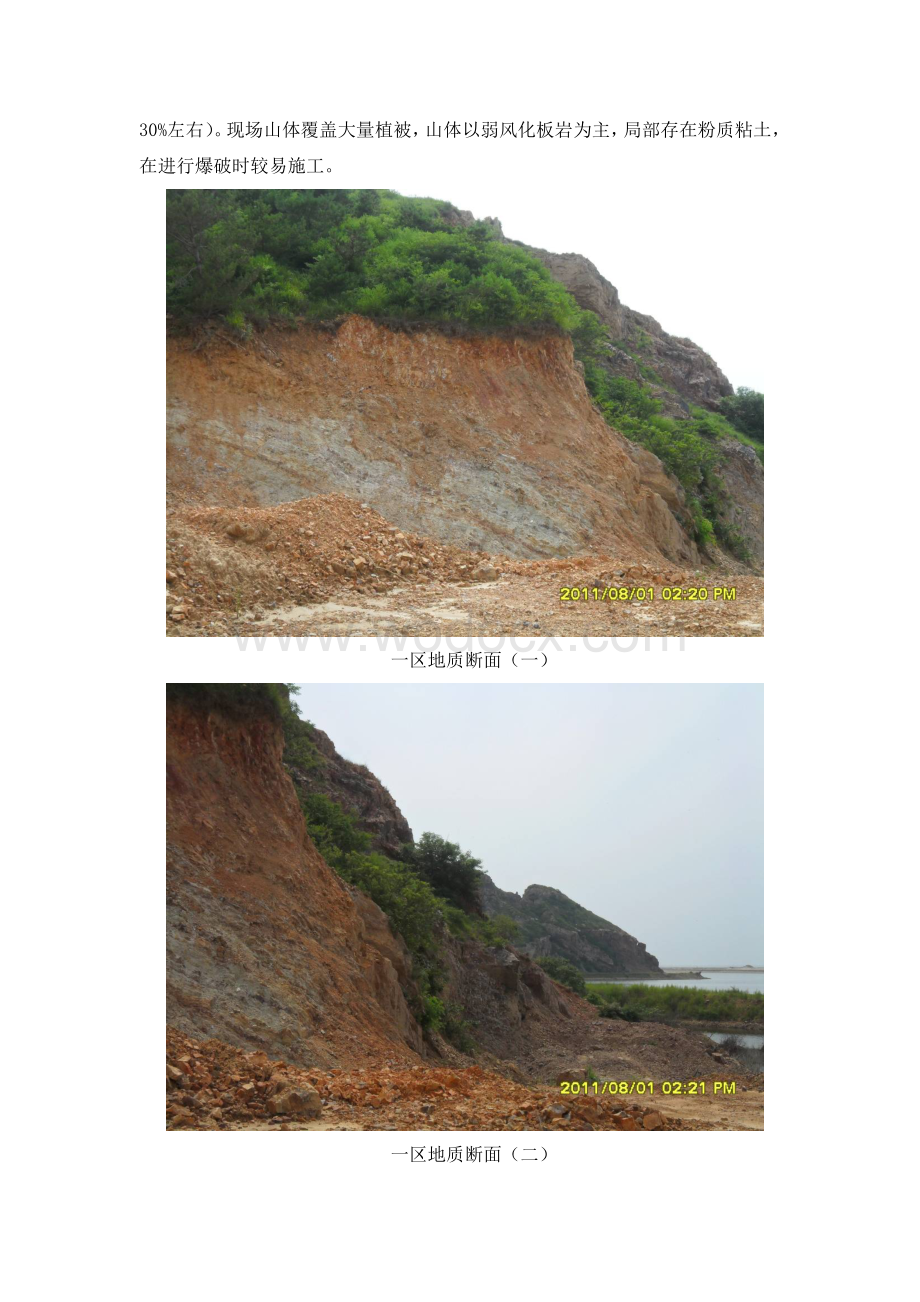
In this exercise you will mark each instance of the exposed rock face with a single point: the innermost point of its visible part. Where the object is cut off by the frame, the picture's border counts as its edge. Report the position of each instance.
(552, 925)
(489, 443)
(266, 947)
(742, 473)
(513, 1007)
(681, 364)
(357, 789)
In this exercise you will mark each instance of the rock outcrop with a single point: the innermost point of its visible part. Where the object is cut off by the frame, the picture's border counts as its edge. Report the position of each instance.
(490, 443)
(355, 788)
(553, 926)
(742, 474)
(682, 366)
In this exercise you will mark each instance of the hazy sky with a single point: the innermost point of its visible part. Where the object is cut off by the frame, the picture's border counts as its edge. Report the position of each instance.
(643, 803)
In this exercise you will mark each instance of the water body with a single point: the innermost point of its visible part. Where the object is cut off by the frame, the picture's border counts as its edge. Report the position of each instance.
(711, 979)
(746, 1041)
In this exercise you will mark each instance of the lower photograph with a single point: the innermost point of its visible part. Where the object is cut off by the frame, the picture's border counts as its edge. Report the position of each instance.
(464, 908)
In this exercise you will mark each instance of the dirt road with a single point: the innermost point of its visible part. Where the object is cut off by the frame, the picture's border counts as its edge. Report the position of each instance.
(517, 606)
(331, 567)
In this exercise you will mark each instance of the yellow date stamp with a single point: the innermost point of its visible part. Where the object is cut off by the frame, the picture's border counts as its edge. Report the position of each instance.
(640, 594)
(623, 1088)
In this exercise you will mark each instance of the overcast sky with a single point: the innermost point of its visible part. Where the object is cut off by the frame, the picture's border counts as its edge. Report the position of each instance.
(643, 803)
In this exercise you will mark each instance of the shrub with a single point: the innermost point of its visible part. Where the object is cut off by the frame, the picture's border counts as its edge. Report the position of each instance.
(566, 973)
(744, 410)
(334, 830)
(299, 748)
(451, 872)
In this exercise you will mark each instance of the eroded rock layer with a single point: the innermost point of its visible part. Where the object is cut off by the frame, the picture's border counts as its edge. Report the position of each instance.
(488, 443)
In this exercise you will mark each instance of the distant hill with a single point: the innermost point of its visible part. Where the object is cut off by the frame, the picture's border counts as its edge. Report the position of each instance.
(552, 925)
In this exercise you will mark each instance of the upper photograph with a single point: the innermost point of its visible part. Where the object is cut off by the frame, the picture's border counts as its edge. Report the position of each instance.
(388, 417)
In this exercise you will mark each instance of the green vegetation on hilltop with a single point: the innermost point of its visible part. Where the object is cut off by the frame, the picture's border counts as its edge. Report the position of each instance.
(234, 699)
(256, 256)
(662, 1002)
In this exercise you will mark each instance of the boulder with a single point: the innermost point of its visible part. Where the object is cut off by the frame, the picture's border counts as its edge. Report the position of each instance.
(295, 1101)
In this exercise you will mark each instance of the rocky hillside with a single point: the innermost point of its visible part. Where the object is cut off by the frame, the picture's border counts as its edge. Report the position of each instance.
(355, 788)
(552, 925)
(680, 375)
(266, 947)
(492, 406)
(292, 1001)
(686, 374)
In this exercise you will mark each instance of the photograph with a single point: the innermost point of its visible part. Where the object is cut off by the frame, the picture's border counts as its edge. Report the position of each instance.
(464, 908)
(388, 416)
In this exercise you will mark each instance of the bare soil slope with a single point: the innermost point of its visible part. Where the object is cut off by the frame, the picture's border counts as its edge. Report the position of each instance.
(488, 443)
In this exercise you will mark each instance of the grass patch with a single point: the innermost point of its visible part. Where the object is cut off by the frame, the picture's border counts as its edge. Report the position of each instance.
(654, 1003)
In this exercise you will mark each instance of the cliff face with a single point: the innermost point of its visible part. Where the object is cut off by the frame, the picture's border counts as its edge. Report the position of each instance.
(357, 789)
(489, 443)
(266, 947)
(742, 473)
(552, 925)
(681, 364)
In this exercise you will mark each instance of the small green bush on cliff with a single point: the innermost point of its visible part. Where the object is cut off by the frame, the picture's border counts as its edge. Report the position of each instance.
(299, 748)
(744, 410)
(566, 973)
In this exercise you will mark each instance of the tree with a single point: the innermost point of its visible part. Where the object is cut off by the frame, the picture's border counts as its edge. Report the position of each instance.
(566, 973)
(451, 872)
(745, 411)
